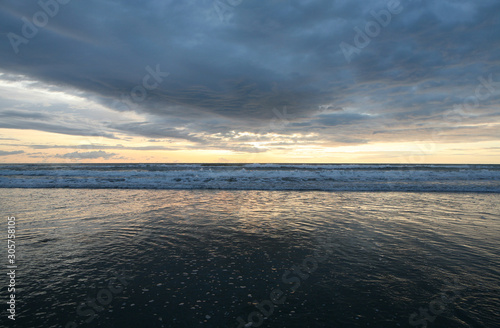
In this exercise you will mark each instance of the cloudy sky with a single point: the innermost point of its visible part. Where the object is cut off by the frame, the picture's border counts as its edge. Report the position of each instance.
(411, 81)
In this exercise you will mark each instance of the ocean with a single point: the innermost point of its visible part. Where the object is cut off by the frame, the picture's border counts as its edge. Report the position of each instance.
(324, 177)
(252, 245)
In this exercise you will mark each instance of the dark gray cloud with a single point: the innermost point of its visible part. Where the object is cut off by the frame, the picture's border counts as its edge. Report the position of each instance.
(56, 123)
(230, 75)
(7, 153)
(55, 128)
(11, 114)
(341, 119)
(87, 155)
(153, 130)
(100, 147)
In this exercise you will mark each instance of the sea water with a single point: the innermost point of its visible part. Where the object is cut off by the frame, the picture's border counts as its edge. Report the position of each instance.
(208, 255)
(326, 177)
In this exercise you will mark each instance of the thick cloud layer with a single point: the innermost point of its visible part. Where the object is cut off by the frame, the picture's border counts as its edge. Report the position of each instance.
(351, 72)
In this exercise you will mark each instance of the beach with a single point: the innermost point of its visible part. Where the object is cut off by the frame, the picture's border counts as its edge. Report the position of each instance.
(241, 258)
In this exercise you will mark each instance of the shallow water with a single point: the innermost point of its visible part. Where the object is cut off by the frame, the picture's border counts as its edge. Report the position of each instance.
(203, 258)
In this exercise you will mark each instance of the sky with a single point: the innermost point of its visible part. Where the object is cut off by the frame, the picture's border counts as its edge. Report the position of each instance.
(296, 81)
